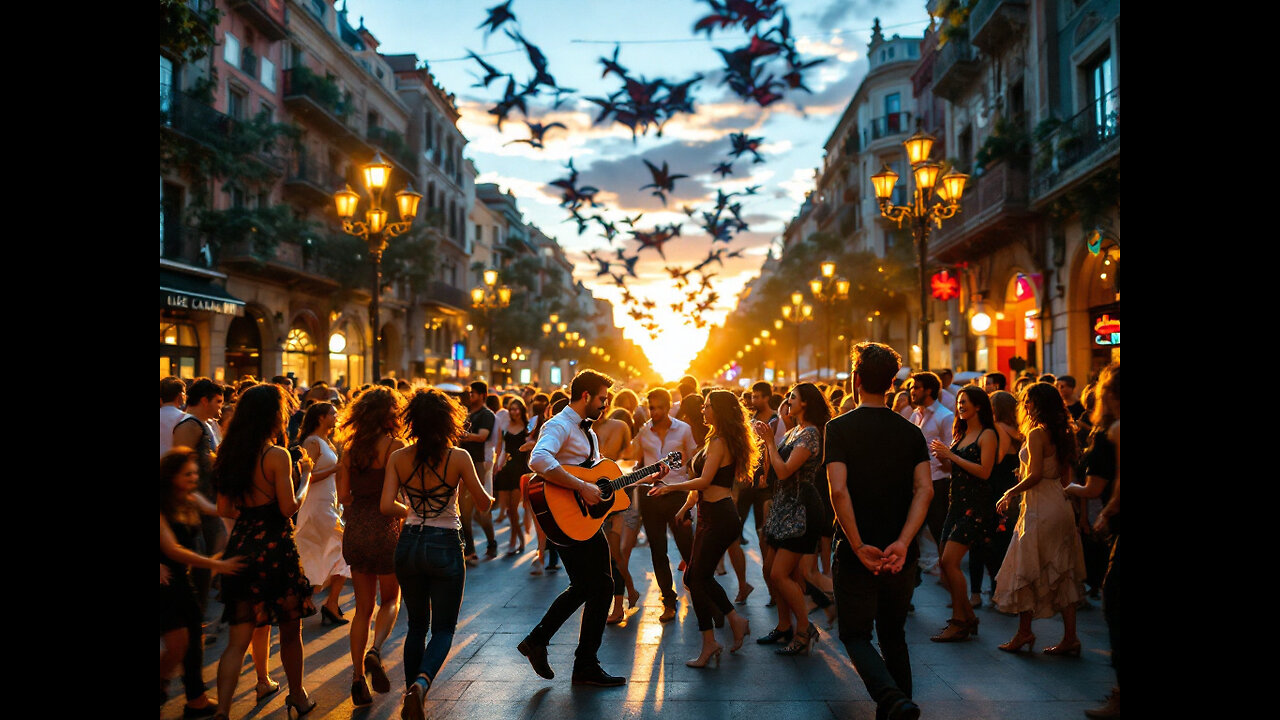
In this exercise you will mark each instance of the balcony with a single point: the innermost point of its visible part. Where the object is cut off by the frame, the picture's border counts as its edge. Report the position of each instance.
(288, 263)
(190, 118)
(312, 183)
(319, 101)
(396, 150)
(441, 293)
(955, 68)
(267, 16)
(995, 22)
(889, 125)
(183, 244)
(1078, 146)
(993, 209)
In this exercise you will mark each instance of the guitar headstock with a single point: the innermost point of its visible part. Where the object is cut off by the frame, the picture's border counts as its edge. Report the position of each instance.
(673, 460)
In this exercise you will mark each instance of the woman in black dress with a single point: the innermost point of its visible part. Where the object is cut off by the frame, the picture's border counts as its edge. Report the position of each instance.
(512, 463)
(1004, 408)
(254, 480)
(970, 513)
(180, 616)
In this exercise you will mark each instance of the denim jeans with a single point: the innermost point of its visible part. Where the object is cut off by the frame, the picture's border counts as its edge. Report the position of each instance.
(863, 599)
(431, 573)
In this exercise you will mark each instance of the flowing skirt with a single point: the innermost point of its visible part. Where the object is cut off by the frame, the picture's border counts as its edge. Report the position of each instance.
(1043, 570)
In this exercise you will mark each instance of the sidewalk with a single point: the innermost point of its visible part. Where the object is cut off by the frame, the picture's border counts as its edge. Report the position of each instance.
(486, 677)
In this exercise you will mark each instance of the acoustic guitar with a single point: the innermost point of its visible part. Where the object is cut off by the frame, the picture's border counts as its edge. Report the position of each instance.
(566, 518)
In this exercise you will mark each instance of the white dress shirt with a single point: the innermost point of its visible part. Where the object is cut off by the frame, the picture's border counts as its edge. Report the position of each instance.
(948, 400)
(169, 417)
(563, 442)
(679, 439)
(935, 422)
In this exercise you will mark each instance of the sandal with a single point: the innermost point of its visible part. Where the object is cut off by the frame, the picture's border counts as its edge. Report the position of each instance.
(955, 631)
(267, 689)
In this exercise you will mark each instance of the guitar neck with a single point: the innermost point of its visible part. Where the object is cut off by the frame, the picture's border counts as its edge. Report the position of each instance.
(634, 476)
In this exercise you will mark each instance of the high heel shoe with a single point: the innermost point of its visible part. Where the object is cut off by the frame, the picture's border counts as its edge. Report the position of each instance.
(537, 566)
(1063, 649)
(373, 666)
(955, 631)
(776, 636)
(702, 660)
(743, 593)
(296, 706)
(738, 637)
(327, 617)
(1015, 645)
(266, 689)
(802, 643)
(360, 695)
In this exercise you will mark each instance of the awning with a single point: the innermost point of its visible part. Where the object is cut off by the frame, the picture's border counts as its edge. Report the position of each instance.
(185, 292)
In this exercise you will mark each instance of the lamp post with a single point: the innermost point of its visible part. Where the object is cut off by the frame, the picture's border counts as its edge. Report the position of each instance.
(921, 211)
(828, 290)
(487, 298)
(375, 231)
(797, 313)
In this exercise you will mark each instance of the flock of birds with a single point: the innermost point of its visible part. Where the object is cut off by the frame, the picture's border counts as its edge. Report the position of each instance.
(642, 104)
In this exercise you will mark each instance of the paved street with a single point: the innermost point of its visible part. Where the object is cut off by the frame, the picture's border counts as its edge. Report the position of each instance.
(485, 677)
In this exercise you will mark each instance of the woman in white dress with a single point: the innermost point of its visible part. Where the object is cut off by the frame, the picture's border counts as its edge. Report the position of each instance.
(318, 531)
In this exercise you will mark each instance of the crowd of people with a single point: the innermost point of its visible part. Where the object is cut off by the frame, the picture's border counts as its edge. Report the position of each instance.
(273, 497)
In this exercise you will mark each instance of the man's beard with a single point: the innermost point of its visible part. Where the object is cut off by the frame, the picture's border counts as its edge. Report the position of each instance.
(595, 415)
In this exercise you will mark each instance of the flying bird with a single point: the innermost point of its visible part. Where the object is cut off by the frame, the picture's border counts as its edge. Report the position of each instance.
(612, 66)
(491, 73)
(537, 59)
(744, 144)
(723, 169)
(536, 133)
(663, 180)
(498, 14)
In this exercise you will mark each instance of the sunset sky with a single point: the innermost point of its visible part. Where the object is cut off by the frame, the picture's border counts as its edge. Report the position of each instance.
(657, 41)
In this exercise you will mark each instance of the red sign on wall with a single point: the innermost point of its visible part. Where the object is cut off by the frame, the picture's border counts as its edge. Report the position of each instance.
(945, 286)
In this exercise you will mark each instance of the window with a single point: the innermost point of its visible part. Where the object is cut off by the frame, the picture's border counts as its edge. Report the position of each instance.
(268, 75)
(268, 109)
(237, 103)
(1102, 95)
(892, 104)
(237, 197)
(317, 8)
(295, 56)
(231, 49)
(170, 220)
(166, 86)
(890, 52)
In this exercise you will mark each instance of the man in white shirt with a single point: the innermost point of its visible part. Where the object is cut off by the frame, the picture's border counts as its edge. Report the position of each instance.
(935, 421)
(173, 395)
(567, 438)
(947, 395)
(661, 435)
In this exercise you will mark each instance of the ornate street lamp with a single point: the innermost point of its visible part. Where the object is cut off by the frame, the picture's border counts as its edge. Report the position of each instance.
(375, 231)
(921, 211)
(797, 313)
(828, 290)
(488, 298)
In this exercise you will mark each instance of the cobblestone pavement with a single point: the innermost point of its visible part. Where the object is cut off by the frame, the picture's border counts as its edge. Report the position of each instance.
(485, 677)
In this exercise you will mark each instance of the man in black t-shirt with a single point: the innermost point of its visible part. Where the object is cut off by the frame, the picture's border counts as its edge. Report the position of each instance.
(480, 424)
(878, 467)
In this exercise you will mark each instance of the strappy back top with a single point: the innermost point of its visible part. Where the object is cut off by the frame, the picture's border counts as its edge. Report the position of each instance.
(436, 506)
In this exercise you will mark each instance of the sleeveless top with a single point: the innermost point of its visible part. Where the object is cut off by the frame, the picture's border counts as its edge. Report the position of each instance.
(328, 458)
(436, 506)
(723, 477)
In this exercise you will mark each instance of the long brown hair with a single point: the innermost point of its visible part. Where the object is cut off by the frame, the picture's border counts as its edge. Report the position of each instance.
(311, 420)
(731, 426)
(174, 510)
(377, 412)
(1042, 406)
(261, 413)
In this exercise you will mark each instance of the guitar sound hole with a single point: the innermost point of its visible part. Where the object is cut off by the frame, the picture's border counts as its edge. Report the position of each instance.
(602, 508)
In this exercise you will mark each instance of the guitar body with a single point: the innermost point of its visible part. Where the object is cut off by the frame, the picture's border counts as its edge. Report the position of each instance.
(562, 513)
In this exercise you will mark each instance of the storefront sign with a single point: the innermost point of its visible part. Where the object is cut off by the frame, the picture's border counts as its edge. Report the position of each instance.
(945, 286)
(183, 301)
(1106, 328)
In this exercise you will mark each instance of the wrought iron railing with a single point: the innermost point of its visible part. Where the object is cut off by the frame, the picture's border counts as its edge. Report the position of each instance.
(1084, 134)
(891, 124)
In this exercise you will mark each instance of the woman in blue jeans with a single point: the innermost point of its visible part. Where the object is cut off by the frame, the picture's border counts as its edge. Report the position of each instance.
(428, 558)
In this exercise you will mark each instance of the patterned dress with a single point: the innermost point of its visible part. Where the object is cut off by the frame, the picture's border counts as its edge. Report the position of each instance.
(272, 587)
(971, 511)
(369, 539)
(816, 519)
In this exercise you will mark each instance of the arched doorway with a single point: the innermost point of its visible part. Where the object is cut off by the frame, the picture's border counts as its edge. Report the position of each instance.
(346, 355)
(244, 347)
(1100, 281)
(299, 356)
(179, 349)
(1017, 326)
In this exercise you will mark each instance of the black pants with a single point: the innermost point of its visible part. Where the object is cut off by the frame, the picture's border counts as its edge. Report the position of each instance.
(179, 608)
(750, 497)
(989, 556)
(1111, 605)
(718, 528)
(657, 514)
(211, 539)
(863, 599)
(590, 583)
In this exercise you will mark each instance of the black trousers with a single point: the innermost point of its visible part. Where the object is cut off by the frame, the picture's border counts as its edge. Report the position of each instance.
(750, 497)
(864, 599)
(590, 584)
(657, 514)
(1111, 605)
(718, 528)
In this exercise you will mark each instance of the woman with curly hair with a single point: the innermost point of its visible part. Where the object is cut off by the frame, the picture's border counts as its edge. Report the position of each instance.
(254, 480)
(427, 475)
(730, 453)
(370, 430)
(1043, 571)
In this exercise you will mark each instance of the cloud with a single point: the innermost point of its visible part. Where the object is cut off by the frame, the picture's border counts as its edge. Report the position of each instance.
(837, 11)
(800, 183)
(523, 189)
(620, 179)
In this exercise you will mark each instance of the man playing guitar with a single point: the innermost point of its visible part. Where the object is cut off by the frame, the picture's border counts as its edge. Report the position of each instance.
(567, 438)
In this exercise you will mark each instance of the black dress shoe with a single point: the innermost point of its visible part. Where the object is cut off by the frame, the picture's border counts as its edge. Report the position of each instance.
(904, 709)
(537, 655)
(595, 675)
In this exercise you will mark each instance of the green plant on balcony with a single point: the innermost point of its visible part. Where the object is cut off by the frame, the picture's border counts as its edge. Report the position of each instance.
(238, 152)
(1008, 142)
(256, 230)
(186, 32)
(1043, 135)
(321, 89)
(954, 15)
(410, 257)
(393, 142)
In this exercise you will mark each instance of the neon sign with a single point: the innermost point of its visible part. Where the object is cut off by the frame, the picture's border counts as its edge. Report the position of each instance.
(1106, 329)
(945, 286)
